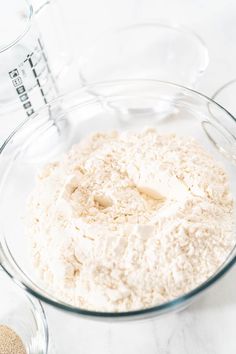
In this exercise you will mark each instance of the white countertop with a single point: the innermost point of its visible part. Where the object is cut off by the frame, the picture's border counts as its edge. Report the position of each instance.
(208, 326)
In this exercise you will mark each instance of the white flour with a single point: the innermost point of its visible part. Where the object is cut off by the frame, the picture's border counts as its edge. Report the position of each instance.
(130, 220)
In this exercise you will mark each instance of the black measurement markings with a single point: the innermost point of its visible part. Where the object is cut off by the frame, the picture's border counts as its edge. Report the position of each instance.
(48, 67)
(41, 78)
(17, 79)
(37, 79)
(13, 74)
(20, 89)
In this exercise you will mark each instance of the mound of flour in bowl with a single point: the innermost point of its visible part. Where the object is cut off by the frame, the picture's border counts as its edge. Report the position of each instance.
(129, 220)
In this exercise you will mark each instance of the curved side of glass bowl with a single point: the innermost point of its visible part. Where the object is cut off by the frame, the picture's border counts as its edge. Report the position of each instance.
(27, 26)
(225, 95)
(40, 317)
(41, 342)
(18, 275)
(91, 54)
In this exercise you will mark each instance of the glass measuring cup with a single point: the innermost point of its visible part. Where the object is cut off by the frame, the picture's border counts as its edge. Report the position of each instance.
(26, 76)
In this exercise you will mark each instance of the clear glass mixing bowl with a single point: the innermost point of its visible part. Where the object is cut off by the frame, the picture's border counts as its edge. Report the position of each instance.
(23, 314)
(149, 50)
(115, 105)
(225, 96)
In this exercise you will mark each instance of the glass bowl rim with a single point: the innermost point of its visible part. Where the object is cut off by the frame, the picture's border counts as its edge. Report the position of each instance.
(35, 304)
(172, 304)
(127, 26)
(222, 87)
(30, 13)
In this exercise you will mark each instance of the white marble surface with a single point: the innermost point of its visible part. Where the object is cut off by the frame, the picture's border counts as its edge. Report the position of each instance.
(208, 326)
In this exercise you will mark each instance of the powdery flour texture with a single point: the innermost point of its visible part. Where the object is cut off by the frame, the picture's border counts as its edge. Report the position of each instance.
(129, 220)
